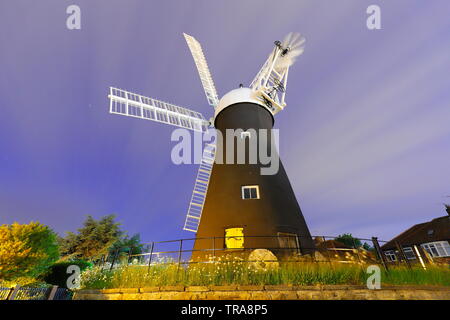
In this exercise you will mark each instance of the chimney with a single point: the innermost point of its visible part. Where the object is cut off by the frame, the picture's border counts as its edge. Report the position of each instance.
(447, 208)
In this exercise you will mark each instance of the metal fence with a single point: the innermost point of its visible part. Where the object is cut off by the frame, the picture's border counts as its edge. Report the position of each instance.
(4, 293)
(286, 248)
(27, 293)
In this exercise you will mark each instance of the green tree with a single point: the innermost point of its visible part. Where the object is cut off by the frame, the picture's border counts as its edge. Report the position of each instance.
(349, 240)
(93, 240)
(352, 242)
(26, 250)
(128, 244)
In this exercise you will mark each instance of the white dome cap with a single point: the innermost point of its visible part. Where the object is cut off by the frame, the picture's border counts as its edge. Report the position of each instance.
(236, 96)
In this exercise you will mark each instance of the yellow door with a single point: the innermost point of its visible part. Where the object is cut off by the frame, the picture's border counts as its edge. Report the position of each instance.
(234, 238)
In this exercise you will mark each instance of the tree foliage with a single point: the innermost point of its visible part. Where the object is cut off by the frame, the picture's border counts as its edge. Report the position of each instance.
(349, 240)
(26, 250)
(128, 244)
(352, 242)
(93, 240)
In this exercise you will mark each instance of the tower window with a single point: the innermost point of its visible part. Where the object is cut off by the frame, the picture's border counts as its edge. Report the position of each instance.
(250, 192)
(288, 240)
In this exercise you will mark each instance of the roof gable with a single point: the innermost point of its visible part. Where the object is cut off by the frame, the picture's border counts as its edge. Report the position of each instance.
(419, 233)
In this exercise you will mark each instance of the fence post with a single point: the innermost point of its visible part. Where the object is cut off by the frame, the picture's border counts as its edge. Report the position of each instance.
(150, 259)
(402, 253)
(355, 247)
(129, 256)
(51, 295)
(325, 248)
(179, 252)
(335, 251)
(377, 247)
(420, 257)
(114, 259)
(214, 249)
(299, 244)
(13, 292)
(427, 255)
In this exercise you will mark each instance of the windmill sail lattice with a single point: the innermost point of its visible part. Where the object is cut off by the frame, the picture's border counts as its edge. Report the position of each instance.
(200, 189)
(134, 105)
(271, 80)
(203, 70)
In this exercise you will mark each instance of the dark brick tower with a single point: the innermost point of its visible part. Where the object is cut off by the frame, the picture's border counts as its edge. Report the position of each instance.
(243, 203)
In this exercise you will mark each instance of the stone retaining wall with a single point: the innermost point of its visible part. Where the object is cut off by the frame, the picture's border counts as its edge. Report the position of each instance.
(279, 292)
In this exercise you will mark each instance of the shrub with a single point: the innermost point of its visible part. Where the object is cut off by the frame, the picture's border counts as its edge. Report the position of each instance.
(26, 250)
(96, 278)
(57, 273)
(24, 282)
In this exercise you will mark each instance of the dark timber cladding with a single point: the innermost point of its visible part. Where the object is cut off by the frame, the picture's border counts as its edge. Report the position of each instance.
(276, 211)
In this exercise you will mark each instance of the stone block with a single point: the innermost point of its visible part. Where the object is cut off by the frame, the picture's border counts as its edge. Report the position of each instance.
(197, 288)
(107, 291)
(279, 287)
(223, 288)
(129, 290)
(171, 288)
(250, 288)
(152, 295)
(149, 289)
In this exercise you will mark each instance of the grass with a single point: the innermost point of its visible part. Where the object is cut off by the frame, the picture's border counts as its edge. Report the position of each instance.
(434, 275)
(233, 272)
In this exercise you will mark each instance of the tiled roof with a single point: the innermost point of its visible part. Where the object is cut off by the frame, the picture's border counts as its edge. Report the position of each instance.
(435, 230)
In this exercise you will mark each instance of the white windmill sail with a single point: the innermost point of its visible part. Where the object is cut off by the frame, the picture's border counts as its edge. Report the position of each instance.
(203, 70)
(134, 105)
(198, 198)
(271, 80)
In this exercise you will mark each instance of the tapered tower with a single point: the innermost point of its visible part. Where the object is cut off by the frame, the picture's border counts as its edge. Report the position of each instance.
(244, 208)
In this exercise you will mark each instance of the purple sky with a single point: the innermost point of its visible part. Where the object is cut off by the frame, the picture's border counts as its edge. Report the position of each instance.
(365, 138)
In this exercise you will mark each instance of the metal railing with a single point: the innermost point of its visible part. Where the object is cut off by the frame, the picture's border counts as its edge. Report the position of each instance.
(287, 248)
(28, 293)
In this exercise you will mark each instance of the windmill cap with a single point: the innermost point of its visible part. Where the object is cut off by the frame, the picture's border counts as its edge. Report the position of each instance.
(239, 95)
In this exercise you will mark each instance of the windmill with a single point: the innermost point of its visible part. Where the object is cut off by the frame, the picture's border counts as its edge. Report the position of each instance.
(233, 206)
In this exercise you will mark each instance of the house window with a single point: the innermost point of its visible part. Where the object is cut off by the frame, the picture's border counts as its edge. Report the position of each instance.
(234, 238)
(288, 240)
(409, 253)
(390, 255)
(250, 192)
(437, 249)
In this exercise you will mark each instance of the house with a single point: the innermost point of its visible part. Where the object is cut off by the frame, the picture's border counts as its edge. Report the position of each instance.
(430, 239)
